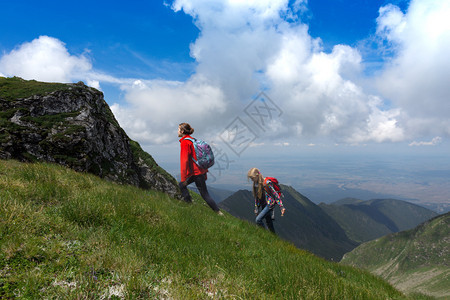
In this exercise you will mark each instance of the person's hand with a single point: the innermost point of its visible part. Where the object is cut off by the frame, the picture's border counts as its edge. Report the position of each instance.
(256, 211)
(282, 211)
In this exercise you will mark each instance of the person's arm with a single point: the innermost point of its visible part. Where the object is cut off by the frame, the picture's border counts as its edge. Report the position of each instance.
(276, 196)
(184, 160)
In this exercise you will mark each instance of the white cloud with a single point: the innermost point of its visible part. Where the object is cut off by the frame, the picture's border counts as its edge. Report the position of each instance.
(231, 53)
(157, 107)
(320, 99)
(94, 83)
(247, 46)
(319, 92)
(416, 79)
(435, 141)
(391, 22)
(231, 14)
(382, 125)
(45, 59)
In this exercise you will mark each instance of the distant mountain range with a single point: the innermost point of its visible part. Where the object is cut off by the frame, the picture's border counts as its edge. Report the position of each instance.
(332, 230)
(367, 220)
(414, 260)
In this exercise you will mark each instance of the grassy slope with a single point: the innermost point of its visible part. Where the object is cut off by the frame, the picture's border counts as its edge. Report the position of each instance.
(326, 237)
(70, 235)
(304, 223)
(413, 260)
(16, 88)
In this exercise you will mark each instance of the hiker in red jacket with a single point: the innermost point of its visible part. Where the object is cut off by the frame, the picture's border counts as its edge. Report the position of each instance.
(265, 198)
(190, 171)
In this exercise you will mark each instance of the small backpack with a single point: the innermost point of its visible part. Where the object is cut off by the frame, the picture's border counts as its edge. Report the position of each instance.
(275, 183)
(204, 153)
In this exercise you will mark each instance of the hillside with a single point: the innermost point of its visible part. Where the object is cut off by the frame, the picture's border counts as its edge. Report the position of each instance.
(72, 125)
(69, 235)
(367, 220)
(413, 260)
(304, 224)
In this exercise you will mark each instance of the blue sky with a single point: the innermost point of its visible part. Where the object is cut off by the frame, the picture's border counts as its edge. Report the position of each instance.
(148, 39)
(337, 76)
(115, 34)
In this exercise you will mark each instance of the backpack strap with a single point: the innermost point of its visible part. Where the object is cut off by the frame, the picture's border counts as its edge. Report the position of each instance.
(275, 184)
(265, 184)
(190, 139)
(271, 179)
(193, 141)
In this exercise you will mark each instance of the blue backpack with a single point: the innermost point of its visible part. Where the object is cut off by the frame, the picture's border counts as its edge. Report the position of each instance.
(204, 153)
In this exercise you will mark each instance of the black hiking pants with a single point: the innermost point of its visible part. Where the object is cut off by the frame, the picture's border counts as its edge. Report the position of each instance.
(200, 182)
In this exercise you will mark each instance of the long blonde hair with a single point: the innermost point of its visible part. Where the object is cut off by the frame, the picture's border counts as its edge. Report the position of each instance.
(258, 182)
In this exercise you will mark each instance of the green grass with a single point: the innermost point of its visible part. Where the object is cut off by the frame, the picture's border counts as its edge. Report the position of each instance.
(415, 260)
(74, 236)
(16, 88)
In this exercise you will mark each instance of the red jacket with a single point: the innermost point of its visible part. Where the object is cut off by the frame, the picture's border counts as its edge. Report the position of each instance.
(187, 166)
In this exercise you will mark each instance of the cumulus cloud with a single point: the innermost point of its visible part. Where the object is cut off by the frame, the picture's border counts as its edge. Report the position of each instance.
(237, 40)
(416, 78)
(248, 46)
(155, 108)
(245, 46)
(319, 97)
(45, 59)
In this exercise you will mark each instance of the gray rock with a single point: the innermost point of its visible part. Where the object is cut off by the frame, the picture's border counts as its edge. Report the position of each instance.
(75, 127)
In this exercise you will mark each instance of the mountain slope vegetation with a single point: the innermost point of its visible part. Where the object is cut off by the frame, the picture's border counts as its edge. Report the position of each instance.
(72, 125)
(367, 220)
(304, 223)
(413, 260)
(71, 235)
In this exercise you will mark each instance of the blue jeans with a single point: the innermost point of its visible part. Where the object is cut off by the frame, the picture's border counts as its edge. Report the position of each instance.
(265, 214)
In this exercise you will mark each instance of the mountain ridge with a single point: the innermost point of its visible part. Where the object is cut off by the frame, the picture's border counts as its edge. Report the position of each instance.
(367, 220)
(412, 260)
(72, 125)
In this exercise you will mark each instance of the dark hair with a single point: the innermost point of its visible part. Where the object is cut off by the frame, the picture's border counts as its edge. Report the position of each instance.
(186, 128)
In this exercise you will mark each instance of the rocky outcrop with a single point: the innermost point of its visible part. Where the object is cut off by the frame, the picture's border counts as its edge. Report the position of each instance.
(73, 126)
